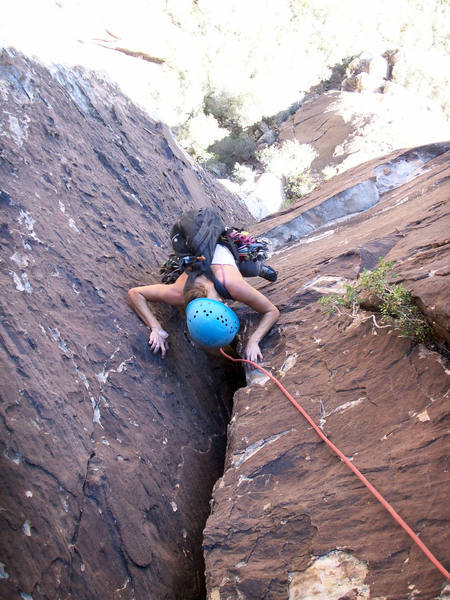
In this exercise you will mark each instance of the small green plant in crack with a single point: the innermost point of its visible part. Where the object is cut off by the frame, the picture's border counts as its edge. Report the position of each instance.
(341, 303)
(374, 292)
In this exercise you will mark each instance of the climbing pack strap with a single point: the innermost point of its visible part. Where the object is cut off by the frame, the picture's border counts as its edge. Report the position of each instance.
(351, 466)
(175, 265)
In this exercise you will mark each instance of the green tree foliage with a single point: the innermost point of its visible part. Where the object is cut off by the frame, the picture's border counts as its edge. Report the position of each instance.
(249, 60)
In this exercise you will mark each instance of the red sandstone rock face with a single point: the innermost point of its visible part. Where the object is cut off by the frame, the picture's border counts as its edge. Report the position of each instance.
(289, 520)
(108, 453)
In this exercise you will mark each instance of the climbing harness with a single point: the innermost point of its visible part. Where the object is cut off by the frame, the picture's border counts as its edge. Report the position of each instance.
(350, 465)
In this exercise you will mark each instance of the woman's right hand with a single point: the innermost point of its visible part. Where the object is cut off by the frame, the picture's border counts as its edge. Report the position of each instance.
(157, 341)
(253, 352)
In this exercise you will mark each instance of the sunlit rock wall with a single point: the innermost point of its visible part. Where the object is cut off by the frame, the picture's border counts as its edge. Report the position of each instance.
(346, 129)
(108, 453)
(289, 519)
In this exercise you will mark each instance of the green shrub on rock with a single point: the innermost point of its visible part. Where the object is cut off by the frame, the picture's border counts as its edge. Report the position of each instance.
(375, 293)
(235, 148)
(298, 186)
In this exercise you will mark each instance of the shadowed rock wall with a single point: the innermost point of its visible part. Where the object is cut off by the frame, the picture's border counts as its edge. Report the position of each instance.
(108, 453)
(289, 520)
(318, 211)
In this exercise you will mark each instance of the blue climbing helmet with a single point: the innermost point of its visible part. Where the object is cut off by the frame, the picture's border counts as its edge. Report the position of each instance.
(211, 323)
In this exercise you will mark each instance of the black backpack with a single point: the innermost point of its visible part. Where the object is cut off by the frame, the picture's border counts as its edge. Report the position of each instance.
(194, 238)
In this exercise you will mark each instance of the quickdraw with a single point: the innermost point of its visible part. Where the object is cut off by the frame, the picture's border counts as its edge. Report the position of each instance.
(175, 265)
(248, 247)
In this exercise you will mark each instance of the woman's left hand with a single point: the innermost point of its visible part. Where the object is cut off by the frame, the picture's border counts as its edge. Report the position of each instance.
(253, 352)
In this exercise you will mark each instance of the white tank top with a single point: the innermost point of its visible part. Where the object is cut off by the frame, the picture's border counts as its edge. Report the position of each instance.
(223, 256)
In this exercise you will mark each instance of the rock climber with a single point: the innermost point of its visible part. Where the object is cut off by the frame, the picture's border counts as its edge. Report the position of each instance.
(182, 292)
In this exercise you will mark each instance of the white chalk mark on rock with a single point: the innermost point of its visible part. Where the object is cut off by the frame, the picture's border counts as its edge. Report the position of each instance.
(18, 130)
(21, 260)
(16, 458)
(289, 363)
(73, 226)
(342, 408)
(238, 460)
(81, 375)
(102, 376)
(254, 376)
(27, 528)
(325, 284)
(423, 416)
(123, 588)
(22, 285)
(97, 416)
(243, 479)
(26, 219)
(61, 343)
(65, 504)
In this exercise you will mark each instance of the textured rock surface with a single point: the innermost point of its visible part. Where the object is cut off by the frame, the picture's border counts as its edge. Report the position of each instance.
(108, 454)
(368, 186)
(289, 519)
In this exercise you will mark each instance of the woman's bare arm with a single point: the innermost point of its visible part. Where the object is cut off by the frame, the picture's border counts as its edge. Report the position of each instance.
(159, 292)
(244, 292)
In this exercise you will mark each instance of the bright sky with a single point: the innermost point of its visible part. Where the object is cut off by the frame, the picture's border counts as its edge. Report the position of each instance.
(243, 36)
(83, 32)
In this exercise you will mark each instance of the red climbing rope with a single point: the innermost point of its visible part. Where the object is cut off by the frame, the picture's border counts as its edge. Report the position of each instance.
(350, 465)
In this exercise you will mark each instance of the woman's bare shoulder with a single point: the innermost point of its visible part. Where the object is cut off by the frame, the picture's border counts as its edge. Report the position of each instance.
(242, 291)
(171, 293)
